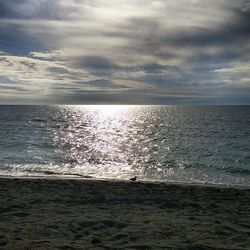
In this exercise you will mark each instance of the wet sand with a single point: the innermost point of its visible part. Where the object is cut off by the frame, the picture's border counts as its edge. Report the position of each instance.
(91, 214)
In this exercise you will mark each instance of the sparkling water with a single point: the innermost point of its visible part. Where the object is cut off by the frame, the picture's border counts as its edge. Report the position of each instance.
(200, 144)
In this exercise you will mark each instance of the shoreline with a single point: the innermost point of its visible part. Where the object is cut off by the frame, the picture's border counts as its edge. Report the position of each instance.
(49, 213)
(90, 178)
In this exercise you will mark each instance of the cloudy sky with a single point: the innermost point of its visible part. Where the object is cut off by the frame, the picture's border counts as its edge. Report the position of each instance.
(125, 51)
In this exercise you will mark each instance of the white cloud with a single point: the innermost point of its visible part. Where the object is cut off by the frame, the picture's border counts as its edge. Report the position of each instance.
(37, 73)
(235, 74)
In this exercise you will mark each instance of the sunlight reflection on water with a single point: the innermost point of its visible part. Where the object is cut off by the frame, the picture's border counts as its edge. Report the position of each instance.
(158, 143)
(103, 139)
(167, 143)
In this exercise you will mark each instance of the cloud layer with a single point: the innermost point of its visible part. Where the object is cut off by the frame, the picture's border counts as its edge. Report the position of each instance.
(133, 51)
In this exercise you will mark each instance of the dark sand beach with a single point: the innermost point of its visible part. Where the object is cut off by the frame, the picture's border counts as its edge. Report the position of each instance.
(92, 214)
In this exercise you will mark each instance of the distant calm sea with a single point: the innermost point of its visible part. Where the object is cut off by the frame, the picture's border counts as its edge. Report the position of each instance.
(201, 144)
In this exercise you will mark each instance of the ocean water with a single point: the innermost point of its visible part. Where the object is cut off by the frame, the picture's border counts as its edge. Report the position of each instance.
(197, 144)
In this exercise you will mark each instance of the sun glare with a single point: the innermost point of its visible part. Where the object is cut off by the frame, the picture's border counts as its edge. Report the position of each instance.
(107, 110)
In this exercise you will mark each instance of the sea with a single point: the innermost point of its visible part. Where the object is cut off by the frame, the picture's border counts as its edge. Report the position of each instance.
(187, 144)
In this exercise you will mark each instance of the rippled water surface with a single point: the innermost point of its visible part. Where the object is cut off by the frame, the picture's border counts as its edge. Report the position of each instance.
(168, 143)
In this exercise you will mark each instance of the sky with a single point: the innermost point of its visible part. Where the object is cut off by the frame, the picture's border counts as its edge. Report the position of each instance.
(125, 52)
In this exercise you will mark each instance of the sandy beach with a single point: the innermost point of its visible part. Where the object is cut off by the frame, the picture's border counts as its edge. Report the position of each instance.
(94, 214)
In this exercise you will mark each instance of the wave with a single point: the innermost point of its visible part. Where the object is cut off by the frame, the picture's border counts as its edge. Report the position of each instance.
(122, 173)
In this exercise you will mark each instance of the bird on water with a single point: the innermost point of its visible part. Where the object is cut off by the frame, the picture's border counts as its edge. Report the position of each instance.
(133, 179)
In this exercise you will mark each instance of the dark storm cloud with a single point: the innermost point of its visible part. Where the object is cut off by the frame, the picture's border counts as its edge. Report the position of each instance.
(153, 39)
(100, 97)
(155, 68)
(103, 84)
(97, 65)
(234, 33)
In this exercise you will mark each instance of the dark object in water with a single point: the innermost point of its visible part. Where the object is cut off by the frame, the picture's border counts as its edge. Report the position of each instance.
(39, 120)
(134, 178)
